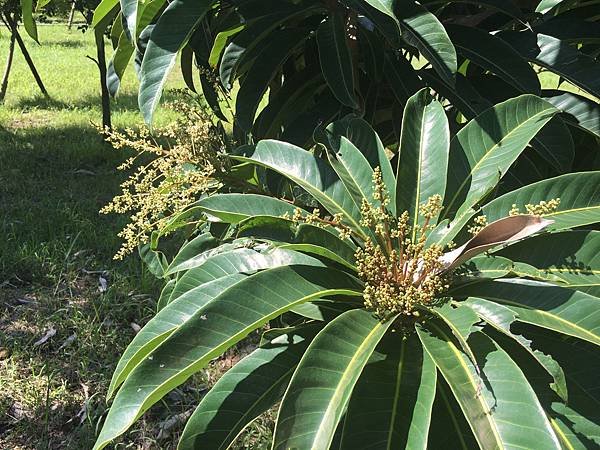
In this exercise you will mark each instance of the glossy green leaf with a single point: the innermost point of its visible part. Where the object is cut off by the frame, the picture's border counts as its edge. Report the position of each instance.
(239, 260)
(367, 141)
(232, 208)
(558, 57)
(401, 77)
(577, 421)
(245, 391)
(102, 10)
(221, 323)
(164, 323)
(262, 71)
(423, 155)
(384, 6)
(501, 318)
(165, 294)
(555, 144)
(220, 42)
(193, 249)
(560, 309)
(187, 67)
(487, 267)
(492, 407)
(482, 152)
(171, 32)
(423, 30)
(297, 94)
(579, 195)
(578, 110)
(27, 17)
(546, 5)
(354, 170)
(118, 64)
(146, 14)
(572, 256)
(310, 173)
(493, 54)
(336, 59)
(321, 386)
(129, 10)
(391, 404)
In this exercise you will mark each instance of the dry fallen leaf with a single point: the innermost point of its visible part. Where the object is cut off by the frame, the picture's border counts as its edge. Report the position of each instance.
(49, 334)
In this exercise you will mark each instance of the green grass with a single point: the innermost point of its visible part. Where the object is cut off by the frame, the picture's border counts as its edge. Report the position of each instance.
(55, 174)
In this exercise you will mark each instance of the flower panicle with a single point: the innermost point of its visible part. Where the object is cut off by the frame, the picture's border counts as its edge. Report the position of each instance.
(181, 162)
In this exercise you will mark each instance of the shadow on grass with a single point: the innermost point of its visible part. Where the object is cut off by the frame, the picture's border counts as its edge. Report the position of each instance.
(123, 102)
(53, 182)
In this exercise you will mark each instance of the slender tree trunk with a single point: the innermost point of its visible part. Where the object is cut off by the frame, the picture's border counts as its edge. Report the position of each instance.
(71, 15)
(13, 26)
(101, 62)
(9, 60)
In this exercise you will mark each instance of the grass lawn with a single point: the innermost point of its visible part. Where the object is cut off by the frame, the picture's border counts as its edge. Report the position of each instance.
(60, 333)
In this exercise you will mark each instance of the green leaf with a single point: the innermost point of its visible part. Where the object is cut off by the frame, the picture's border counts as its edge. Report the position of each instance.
(146, 14)
(354, 170)
(423, 30)
(579, 195)
(118, 64)
(365, 139)
(221, 323)
(129, 9)
(336, 59)
(501, 318)
(262, 71)
(164, 323)
(219, 43)
(558, 57)
(491, 408)
(187, 67)
(401, 77)
(27, 17)
(578, 110)
(574, 258)
(240, 260)
(577, 422)
(297, 94)
(546, 5)
(556, 308)
(196, 247)
(165, 294)
(310, 173)
(482, 152)
(384, 6)
(102, 10)
(246, 390)
(554, 143)
(322, 384)
(488, 267)
(423, 159)
(392, 402)
(233, 208)
(170, 34)
(462, 321)
(507, 7)
(493, 54)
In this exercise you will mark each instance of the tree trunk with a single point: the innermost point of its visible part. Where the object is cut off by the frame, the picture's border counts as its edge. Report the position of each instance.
(9, 60)
(32, 68)
(101, 62)
(71, 15)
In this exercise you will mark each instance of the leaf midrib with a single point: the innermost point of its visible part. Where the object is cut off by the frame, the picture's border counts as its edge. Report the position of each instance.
(336, 397)
(216, 351)
(487, 153)
(475, 386)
